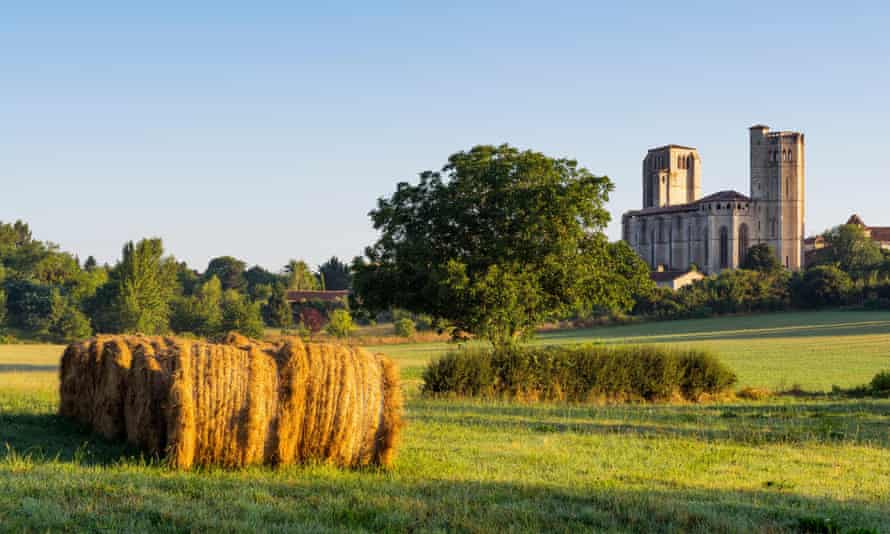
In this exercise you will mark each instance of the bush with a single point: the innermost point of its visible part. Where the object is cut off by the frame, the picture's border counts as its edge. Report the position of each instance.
(312, 319)
(823, 285)
(579, 374)
(241, 315)
(70, 325)
(463, 372)
(405, 327)
(340, 324)
(880, 384)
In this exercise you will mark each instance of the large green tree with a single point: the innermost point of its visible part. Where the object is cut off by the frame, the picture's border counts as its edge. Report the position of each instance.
(239, 314)
(761, 257)
(139, 290)
(277, 310)
(851, 250)
(300, 277)
(229, 270)
(494, 243)
(200, 313)
(335, 274)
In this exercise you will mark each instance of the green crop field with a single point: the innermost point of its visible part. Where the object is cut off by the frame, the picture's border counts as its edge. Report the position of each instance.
(787, 464)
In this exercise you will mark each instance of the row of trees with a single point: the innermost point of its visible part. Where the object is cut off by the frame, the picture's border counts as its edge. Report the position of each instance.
(47, 293)
(851, 270)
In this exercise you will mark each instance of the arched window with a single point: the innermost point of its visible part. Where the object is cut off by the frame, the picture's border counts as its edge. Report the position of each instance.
(724, 248)
(743, 242)
(689, 161)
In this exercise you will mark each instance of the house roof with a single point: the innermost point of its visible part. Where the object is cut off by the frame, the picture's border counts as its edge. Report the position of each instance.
(328, 296)
(880, 233)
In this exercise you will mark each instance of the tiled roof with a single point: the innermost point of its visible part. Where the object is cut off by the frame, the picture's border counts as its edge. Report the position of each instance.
(880, 233)
(729, 195)
(720, 196)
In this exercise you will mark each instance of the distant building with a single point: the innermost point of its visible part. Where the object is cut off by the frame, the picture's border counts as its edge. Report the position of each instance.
(878, 234)
(678, 228)
(674, 279)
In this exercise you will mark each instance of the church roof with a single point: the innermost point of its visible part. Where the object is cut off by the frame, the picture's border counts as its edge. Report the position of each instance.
(728, 195)
(719, 196)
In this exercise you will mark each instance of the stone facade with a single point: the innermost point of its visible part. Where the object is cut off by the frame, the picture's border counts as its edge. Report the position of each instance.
(678, 228)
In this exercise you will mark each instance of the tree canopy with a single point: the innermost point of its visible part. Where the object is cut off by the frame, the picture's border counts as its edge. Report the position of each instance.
(336, 274)
(848, 247)
(761, 257)
(300, 277)
(495, 242)
(229, 270)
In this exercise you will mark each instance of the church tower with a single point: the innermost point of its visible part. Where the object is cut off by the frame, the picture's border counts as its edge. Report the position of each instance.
(778, 191)
(671, 176)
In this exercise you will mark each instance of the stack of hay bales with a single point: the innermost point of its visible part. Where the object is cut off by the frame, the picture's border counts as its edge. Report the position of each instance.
(238, 403)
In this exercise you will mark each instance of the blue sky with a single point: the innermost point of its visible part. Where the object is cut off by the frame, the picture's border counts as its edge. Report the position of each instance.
(267, 130)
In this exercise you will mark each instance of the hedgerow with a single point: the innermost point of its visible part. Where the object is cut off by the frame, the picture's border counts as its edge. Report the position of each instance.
(579, 374)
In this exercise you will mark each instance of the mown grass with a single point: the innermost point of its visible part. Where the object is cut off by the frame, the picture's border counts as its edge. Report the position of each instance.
(778, 465)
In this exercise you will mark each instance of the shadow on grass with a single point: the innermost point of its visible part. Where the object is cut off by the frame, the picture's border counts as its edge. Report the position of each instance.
(860, 422)
(27, 368)
(47, 437)
(309, 499)
(717, 330)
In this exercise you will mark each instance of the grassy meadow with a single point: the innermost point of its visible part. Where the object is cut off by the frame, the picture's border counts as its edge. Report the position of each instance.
(781, 465)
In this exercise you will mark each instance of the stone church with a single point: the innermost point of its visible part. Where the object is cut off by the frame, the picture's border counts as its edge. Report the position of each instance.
(678, 227)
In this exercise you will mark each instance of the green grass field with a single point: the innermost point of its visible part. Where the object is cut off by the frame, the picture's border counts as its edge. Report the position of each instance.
(785, 465)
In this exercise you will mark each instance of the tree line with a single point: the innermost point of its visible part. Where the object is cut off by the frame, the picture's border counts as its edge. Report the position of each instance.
(851, 270)
(46, 293)
(493, 244)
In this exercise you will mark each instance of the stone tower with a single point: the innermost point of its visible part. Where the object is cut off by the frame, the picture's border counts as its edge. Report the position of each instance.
(671, 176)
(778, 187)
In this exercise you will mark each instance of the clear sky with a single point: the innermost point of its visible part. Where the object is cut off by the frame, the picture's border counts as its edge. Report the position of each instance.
(267, 130)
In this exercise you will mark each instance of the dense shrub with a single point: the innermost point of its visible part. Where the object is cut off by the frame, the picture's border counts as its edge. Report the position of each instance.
(823, 285)
(579, 374)
(312, 319)
(731, 291)
(68, 324)
(340, 324)
(462, 372)
(880, 384)
(405, 327)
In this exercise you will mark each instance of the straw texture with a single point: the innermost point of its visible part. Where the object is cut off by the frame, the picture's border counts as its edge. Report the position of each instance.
(238, 403)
